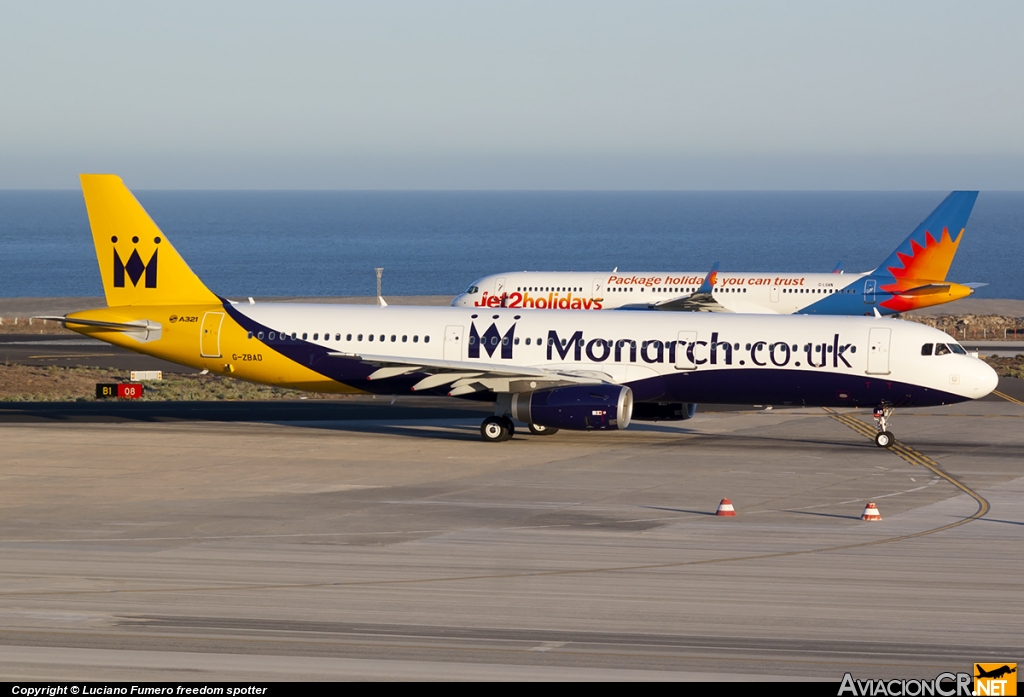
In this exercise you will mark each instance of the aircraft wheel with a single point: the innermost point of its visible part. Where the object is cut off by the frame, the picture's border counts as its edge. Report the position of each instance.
(494, 429)
(510, 425)
(542, 430)
(885, 439)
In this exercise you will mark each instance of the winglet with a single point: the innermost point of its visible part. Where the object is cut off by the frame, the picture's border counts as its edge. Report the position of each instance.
(709, 281)
(838, 268)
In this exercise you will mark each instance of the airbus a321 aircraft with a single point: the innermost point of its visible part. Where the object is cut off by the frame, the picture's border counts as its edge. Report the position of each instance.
(914, 276)
(549, 369)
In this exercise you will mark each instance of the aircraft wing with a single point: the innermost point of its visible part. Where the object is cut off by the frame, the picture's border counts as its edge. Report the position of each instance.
(697, 302)
(466, 377)
(702, 301)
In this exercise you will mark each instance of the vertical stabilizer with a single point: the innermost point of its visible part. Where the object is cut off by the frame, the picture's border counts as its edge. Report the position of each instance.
(138, 264)
(928, 252)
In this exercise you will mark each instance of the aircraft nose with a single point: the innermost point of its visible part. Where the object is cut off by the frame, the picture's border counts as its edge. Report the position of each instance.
(985, 379)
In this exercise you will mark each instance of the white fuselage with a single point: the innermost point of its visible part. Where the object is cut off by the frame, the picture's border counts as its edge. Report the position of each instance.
(751, 293)
(678, 356)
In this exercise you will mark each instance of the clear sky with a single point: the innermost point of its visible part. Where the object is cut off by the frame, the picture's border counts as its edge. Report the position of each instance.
(514, 95)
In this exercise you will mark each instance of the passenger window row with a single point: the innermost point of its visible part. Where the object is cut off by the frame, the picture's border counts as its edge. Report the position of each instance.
(548, 288)
(283, 336)
(816, 291)
(504, 341)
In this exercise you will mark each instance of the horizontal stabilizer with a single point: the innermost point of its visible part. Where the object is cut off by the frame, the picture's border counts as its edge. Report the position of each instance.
(140, 325)
(141, 330)
(927, 289)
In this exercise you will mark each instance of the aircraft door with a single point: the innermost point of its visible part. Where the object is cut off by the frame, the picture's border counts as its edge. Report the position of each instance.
(209, 337)
(499, 287)
(775, 294)
(869, 291)
(453, 343)
(684, 352)
(598, 289)
(878, 350)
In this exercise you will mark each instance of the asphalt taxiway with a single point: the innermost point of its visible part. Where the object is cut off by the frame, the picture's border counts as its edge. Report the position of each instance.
(404, 547)
(368, 540)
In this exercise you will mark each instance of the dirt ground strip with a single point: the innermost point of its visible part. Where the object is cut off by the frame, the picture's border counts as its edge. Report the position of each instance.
(975, 327)
(21, 325)
(23, 383)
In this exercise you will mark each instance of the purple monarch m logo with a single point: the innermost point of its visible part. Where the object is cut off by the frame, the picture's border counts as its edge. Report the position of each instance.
(490, 341)
(135, 268)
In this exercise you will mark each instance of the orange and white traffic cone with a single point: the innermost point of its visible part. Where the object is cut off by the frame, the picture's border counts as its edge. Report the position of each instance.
(725, 508)
(871, 512)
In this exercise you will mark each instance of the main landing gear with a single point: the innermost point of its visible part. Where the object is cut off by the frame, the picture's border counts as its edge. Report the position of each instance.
(884, 438)
(495, 429)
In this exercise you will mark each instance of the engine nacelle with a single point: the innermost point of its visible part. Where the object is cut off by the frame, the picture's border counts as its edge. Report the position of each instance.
(663, 411)
(577, 407)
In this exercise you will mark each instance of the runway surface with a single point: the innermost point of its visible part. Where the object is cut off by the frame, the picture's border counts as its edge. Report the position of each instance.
(407, 548)
(74, 350)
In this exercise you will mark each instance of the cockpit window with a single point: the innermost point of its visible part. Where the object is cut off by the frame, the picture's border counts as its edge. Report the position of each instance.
(957, 348)
(926, 350)
(473, 290)
(941, 350)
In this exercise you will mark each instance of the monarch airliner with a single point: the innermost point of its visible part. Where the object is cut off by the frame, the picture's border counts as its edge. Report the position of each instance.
(547, 369)
(914, 276)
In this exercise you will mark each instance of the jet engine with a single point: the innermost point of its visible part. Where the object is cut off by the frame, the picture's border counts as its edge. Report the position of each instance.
(662, 411)
(576, 407)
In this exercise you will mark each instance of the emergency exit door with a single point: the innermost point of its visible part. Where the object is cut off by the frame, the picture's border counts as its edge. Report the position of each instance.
(878, 351)
(453, 343)
(684, 351)
(209, 338)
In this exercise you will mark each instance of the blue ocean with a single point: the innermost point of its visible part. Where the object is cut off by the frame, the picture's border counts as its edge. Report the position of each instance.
(286, 243)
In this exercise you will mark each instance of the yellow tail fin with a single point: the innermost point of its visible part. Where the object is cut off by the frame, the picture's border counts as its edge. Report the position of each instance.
(138, 264)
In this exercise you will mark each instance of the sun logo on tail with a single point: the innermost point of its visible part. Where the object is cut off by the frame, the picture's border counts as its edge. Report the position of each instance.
(924, 264)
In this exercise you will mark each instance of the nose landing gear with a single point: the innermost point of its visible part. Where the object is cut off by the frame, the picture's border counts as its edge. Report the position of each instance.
(884, 438)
